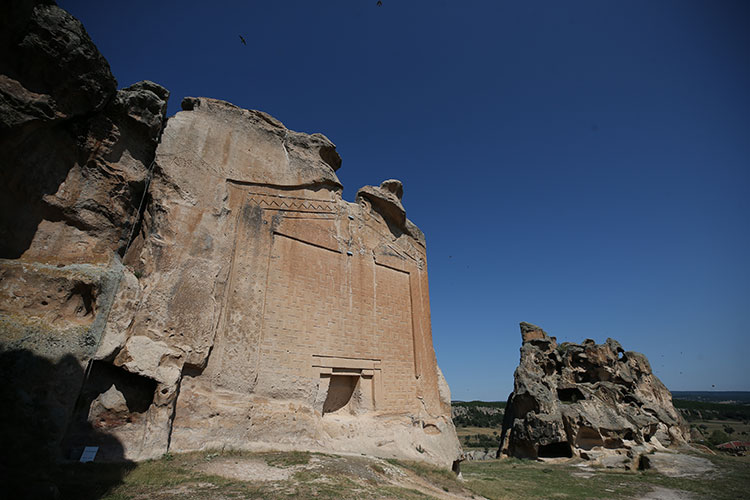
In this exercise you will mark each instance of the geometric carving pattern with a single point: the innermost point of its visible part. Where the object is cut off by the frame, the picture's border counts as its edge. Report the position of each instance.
(291, 203)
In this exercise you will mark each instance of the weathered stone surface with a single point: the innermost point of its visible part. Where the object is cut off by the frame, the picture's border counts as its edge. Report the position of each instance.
(591, 400)
(678, 464)
(216, 292)
(50, 69)
(385, 200)
(272, 313)
(480, 455)
(246, 146)
(74, 153)
(80, 192)
(80, 202)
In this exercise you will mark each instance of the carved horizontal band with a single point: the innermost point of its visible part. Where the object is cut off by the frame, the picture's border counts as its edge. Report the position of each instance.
(277, 202)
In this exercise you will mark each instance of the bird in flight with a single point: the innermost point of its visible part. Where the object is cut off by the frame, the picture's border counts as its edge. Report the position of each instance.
(242, 39)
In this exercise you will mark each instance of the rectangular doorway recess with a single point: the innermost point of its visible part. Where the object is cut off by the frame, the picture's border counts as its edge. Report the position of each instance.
(350, 386)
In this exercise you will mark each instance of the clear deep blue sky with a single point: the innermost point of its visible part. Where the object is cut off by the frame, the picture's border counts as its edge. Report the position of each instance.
(581, 165)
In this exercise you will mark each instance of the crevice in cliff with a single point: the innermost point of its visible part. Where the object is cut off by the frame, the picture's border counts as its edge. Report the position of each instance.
(190, 370)
(140, 191)
(173, 412)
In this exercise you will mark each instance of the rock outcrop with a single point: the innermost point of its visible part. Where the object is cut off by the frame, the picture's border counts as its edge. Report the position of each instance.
(215, 291)
(75, 155)
(269, 312)
(589, 400)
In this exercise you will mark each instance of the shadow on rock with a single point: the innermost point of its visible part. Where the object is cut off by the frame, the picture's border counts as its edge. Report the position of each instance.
(39, 398)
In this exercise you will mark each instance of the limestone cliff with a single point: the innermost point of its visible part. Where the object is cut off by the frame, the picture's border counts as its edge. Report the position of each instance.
(586, 400)
(199, 282)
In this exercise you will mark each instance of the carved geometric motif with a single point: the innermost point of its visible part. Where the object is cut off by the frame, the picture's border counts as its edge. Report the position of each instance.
(291, 203)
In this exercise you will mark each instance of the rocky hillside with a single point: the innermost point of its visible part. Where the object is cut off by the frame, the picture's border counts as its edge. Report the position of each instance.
(477, 413)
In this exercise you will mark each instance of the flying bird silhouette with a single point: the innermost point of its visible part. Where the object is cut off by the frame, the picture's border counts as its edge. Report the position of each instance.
(242, 39)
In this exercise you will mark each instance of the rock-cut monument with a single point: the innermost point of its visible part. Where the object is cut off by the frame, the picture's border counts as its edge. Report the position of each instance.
(197, 282)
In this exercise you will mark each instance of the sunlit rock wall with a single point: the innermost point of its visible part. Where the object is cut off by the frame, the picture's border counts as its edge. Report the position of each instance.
(214, 292)
(283, 316)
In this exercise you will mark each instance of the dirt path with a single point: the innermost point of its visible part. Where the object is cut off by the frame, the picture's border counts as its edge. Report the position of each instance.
(246, 470)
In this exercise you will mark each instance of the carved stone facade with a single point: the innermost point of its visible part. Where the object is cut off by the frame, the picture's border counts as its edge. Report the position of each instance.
(214, 292)
(296, 319)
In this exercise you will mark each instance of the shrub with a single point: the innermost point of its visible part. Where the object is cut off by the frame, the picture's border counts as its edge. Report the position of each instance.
(717, 437)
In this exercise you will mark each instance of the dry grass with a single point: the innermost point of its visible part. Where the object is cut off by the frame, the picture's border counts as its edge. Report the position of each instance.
(313, 475)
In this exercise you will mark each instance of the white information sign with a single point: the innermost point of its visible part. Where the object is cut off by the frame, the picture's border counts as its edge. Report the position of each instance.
(89, 453)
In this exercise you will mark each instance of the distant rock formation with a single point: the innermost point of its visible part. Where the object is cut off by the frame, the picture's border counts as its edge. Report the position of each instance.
(198, 282)
(589, 400)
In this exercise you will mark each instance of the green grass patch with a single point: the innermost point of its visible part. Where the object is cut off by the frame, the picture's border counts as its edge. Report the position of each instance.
(526, 480)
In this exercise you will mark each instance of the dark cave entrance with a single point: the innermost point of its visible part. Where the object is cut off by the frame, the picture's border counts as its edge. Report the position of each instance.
(570, 395)
(555, 450)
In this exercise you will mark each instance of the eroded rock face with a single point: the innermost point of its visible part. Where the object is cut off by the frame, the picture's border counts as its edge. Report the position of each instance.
(214, 292)
(588, 400)
(50, 70)
(75, 156)
(272, 313)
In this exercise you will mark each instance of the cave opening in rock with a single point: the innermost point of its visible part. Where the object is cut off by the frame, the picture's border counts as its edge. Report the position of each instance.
(340, 392)
(570, 394)
(137, 390)
(555, 450)
(522, 404)
(586, 377)
(82, 299)
(588, 437)
(613, 443)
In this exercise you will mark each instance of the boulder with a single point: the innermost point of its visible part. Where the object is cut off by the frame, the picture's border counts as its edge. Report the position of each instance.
(586, 400)
(385, 200)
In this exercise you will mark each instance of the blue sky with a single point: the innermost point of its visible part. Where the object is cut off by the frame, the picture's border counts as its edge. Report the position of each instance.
(581, 165)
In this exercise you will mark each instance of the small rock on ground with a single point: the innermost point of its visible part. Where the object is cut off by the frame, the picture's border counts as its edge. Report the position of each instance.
(679, 465)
